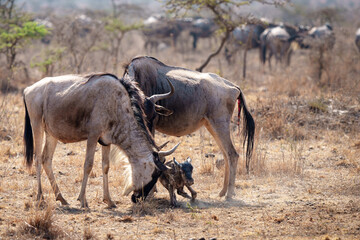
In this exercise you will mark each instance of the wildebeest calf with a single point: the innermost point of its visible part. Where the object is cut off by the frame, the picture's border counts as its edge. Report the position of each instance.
(176, 177)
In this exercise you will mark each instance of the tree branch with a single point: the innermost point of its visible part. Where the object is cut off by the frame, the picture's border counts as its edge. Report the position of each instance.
(223, 41)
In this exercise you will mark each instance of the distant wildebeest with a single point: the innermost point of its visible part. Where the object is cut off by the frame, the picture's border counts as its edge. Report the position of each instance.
(158, 29)
(202, 28)
(357, 39)
(245, 36)
(322, 37)
(97, 108)
(277, 40)
(176, 177)
(200, 99)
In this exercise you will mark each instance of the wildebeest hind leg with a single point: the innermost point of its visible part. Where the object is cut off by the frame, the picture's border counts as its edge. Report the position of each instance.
(38, 141)
(105, 169)
(48, 152)
(220, 130)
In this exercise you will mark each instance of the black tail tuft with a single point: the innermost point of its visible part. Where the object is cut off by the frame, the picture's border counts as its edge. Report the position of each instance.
(28, 139)
(249, 132)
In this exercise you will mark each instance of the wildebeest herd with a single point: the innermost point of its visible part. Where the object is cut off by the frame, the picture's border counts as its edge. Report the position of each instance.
(102, 108)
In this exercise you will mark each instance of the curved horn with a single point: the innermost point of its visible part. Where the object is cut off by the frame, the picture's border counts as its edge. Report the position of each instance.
(157, 97)
(167, 153)
(163, 145)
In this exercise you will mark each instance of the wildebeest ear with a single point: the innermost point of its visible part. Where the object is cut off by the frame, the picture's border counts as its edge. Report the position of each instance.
(163, 111)
(176, 162)
(188, 160)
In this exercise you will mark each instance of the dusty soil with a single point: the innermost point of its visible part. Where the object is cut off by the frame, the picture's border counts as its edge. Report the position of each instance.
(304, 182)
(307, 189)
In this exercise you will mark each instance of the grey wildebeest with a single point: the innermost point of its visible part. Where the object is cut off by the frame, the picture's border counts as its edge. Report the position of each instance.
(200, 99)
(202, 28)
(246, 36)
(97, 108)
(322, 37)
(357, 39)
(277, 41)
(158, 29)
(176, 177)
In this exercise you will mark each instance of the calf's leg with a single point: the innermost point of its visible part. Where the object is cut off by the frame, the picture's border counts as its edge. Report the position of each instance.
(193, 193)
(181, 192)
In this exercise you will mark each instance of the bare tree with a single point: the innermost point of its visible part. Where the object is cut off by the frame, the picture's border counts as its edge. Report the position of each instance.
(224, 15)
(79, 36)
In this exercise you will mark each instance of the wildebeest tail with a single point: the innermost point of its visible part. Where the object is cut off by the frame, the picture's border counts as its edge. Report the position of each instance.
(248, 130)
(28, 139)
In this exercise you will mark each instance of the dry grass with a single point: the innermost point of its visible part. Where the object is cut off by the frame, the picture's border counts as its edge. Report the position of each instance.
(40, 224)
(303, 182)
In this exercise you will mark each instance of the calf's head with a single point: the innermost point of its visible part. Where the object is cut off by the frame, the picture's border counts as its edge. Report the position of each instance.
(141, 192)
(186, 170)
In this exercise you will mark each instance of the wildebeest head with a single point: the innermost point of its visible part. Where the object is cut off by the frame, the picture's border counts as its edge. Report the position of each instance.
(143, 192)
(153, 110)
(186, 170)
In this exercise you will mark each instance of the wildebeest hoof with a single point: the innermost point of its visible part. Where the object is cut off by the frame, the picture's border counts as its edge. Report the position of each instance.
(193, 196)
(110, 204)
(62, 200)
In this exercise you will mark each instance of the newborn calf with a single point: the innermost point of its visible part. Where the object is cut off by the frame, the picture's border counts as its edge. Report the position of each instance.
(176, 177)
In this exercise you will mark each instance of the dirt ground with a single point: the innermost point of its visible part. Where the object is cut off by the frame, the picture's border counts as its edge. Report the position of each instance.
(304, 183)
(310, 190)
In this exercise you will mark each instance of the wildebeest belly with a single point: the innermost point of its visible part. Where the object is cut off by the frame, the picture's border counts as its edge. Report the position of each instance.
(179, 127)
(186, 118)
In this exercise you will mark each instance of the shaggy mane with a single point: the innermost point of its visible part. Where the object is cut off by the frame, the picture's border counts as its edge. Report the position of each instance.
(137, 104)
(136, 100)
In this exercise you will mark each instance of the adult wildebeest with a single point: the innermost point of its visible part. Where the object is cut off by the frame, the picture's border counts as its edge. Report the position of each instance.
(277, 41)
(202, 28)
(158, 29)
(322, 37)
(357, 39)
(200, 99)
(97, 108)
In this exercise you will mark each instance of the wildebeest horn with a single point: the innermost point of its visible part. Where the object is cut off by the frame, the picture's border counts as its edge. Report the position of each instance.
(167, 153)
(157, 97)
(163, 145)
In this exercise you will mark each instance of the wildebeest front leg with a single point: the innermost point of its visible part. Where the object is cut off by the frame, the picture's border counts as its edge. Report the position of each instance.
(193, 193)
(89, 161)
(181, 192)
(105, 169)
(48, 152)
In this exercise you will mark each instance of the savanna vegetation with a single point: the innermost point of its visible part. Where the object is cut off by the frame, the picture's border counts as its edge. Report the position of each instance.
(304, 175)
